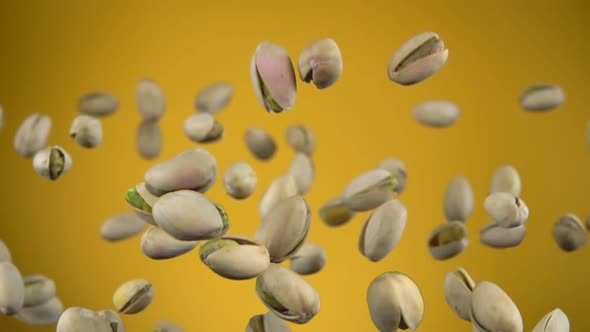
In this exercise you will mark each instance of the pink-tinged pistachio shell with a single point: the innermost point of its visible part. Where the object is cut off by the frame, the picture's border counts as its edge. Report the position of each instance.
(569, 233)
(133, 296)
(493, 310)
(419, 58)
(301, 139)
(542, 97)
(203, 128)
(98, 104)
(383, 230)
(32, 135)
(369, 190)
(499, 237)
(303, 171)
(506, 209)
(5, 255)
(149, 139)
(335, 212)
(309, 259)
(43, 314)
(273, 77)
(260, 143)
(239, 180)
(113, 319)
(281, 188)
(157, 244)
(397, 169)
(87, 131)
(214, 97)
(76, 319)
(436, 113)
(555, 321)
(52, 162)
(448, 240)
(458, 289)
(268, 322)
(121, 227)
(235, 257)
(150, 100)
(12, 289)
(38, 290)
(167, 326)
(321, 62)
(458, 203)
(506, 179)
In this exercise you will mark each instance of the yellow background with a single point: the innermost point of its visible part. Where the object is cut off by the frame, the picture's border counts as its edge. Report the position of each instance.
(53, 52)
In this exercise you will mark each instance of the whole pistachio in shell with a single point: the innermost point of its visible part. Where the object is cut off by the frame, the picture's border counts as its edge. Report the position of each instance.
(121, 227)
(113, 319)
(369, 190)
(309, 259)
(52, 162)
(506, 179)
(397, 169)
(260, 143)
(335, 212)
(273, 77)
(268, 322)
(542, 97)
(133, 296)
(281, 188)
(303, 171)
(157, 244)
(12, 289)
(436, 113)
(383, 230)
(141, 201)
(569, 233)
(493, 310)
(301, 139)
(87, 131)
(203, 128)
(76, 319)
(395, 302)
(235, 257)
(320, 63)
(38, 290)
(214, 97)
(148, 140)
(31, 136)
(43, 314)
(150, 100)
(458, 203)
(555, 321)
(287, 295)
(495, 236)
(448, 240)
(5, 255)
(419, 58)
(458, 289)
(506, 209)
(239, 180)
(98, 104)
(166, 326)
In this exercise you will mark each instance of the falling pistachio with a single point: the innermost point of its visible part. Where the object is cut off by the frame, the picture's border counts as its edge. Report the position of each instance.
(235, 257)
(150, 100)
(335, 212)
(87, 131)
(321, 62)
(214, 97)
(32, 135)
(542, 97)
(569, 233)
(239, 180)
(383, 230)
(149, 139)
(397, 169)
(52, 162)
(157, 244)
(76, 319)
(133, 296)
(448, 240)
(458, 289)
(369, 190)
(43, 314)
(555, 321)
(12, 289)
(260, 143)
(203, 128)
(309, 259)
(98, 104)
(301, 139)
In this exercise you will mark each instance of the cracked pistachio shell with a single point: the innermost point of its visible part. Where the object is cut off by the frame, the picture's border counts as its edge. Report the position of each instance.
(419, 58)
(235, 257)
(76, 319)
(335, 212)
(121, 227)
(98, 104)
(495, 236)
(493, 310)
(260, 143)
(1, 117)
(5, 255)
(555, 321)
(273, 77)
(113, 320)
(150, 100)
(190, 216)
(458, 289)
(87, 131)
(203, 128)
(397, 169)
(142, 201)
(303, 171)
(32, 135)
(239, 180)
(43, 314)
(436, 113)
(301, 139)
(12, 289)
(320, 63)
(395, 302)
(506, 179)
(309, 259)
(281, 188)
(569, 233)
(287, 295)
(52, 162)
(383, 230)
(284, 228)
(369, 190)
(458, 203)
(133, 296)
(506, 209)
(38, 290)
(148, 139)
(157, 244)
(542, 97)
(214, 97)
(191, 170)
(166, 326)
(268, 322)
(448, 240)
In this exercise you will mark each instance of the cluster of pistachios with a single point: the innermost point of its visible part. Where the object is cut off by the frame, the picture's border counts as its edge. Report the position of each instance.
(151, 104)
(86, 128)
(203, 127)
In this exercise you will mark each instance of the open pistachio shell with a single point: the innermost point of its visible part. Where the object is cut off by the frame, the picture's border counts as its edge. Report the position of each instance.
(260, 143)
(569, 233)
(239, 180)
(142, 201)
(287, 295)
(87, 131)
(555, 321)
(149, 139)
(495, 236)
(32, 135)
(214, 97)
(5, 255)
(458, 203)
(113, 319)
(369, 190)
(506, 179)
(301, 139)
(150, 100)
(321, 62)
(52, 162)
(458, 289)
(448, 240)
(98, 104)
(268, 322)
(46, 313)
(506, 209)
(281, 188)
(397, 169)
(303, 171)
(395, 302)
(38, 290)
(436, 113)
(203, 128)
(12, 290)
(309, 259)
(235, 257)
(383, 230)
(166, 326)
(542, 97)
(157, 244)
(76, 319)
(335, 212)
(493, 310)
(133, 296)
(121, 227)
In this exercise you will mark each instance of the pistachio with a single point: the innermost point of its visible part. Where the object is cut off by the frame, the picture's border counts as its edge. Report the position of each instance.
(587, 227)
(458, 199)
(458, 289)
(555, 321)
(493, 310)
(166, 326)
(214, 98)
(38, 290)
(52, 162)
(301, 139)
(287, 295)
(76, 319)
(235, 257)
(113, 320)
(87, 131)
(496, 236)
(203, 128)
(12, 290)
(395, 302)
(5, 255)
(141, 200)
(369, 190)
(98, 104)
(32, 135)
(506, 179)
(268, 322)
(419, 58)
(506, 209)
(150, 100)
(303, 171)
(397, 169)
(260, 143)
(569, 233)
(192, 170)
(189, 216)
(436, 113)
(542, 97)
(321, 62)
(383, 230)
(149, 139)
(1, 117)
(121, 227)
(335, 212)
(448, 240)
(133, 296)
(281, 188)
(239, 180)
(310, 259)
(43, 314)
(157, 244)
(273, 77)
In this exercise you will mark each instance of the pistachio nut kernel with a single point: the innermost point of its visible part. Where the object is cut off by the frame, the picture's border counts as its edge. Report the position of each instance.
(542, 97)
(268, 322)
(448, 240)
(133, 296)
(506, 179)
(260, 143)
(31, 136)
(136, 201)
(113, 320)
(301, 139)
(203, 128)
(458, 202)
(214, 97)
(43, 314)
(98, 104)
(76, 319)
(12, 290)
(458, 289)
(52, 162)
(555, 321)
(157, 244)
(493, 310)
(38, 290)
(569, 233)
(309, 259)
(320, 62)
(150, 100)
(235, 257)
(506, 209)
(436, 113)
(335, 212)
(369, 190)
(148, 139)
(383, 230)
(397, 169)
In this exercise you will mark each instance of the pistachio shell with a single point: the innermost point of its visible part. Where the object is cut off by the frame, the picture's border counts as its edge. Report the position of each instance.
(436, 113)
(335, 212)
(157, 244)
(499, 237)
(203, 128)
(310, 259)
(301, 139)
(214, 97)
(32, 135)
(113, 320)
(150, 100)
(43, 314)
(397, 169)
(569, 233)
(506, 179)
(121, 227)
(52, 162)
(133, 296)
(448, 240)
(167, 326)
(383, 230)
(87, 131)
(303, 171)
(149, 139)
(98, 104)
(38, 290)
(542, 97)
(493, 310)
(506, 209)
(458, 289)
(458, 199)
(76, 319)
(281, 188)
(369, 190)
(268, 322)
(5, 255)
(235, 257)
(12, 290)
(260, 143)
(555, 321)
(321, 62)
(239, 180)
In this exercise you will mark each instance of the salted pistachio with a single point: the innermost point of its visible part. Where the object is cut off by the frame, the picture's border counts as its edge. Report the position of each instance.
(142, 201)
(192, 170)
(542, 97)
(157, 244)
(87, 131)
(284, 228)
(32, 135)
(52, 162)
(436, 113)
(569, 232)
(458, 203)
(383, 230)
(133, 296)
(38, 290)
(148, 140)
(301, 139)
(1, 117)
(269, 322)
(506, 179)
(369, 190)
(448, 240)
(320, 62)
(499, 237)
(397, 169)
(239, 180)
(46, 313)
(203, 128)
(12, 289)
(113, 320)
(121, 227)
(166, 326)
(303, 171)
(506, 209)
(458, 289)
(214, 97)
(395, 302)
(150, 100)
(419, 58)
(190, 216)
(5, 255)
(309, 259)
(235, 257)
(281, 188)
(493, 310)
(98, 104)
(335, 212)
(273, 77)
(287, 294)
(260, 143)
(76, 319)
(555, 321)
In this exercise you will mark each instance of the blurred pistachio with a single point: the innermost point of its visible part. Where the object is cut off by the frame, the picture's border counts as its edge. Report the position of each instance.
(98, 104)
(493, 310)
(87, 131)
(458, 203)
(166, 326)
(301, 139)
(321, 62)
(268, 322)
(46, 313)
(506, 209)
(141, 201)
(281, 188)
(76, 319)
(542, 97)
(260, 143)
(113, 320)
(1, 117)
(52, 162)
(303, 171)
(150, 100)
(5, 255)
(157, 244)
(149, 139)
(133, 296)
(203, 128)
(569, 233)
(12, 289)
(121, 227)
(506, 179)
(458, 289)
(239, 180)
(32, 135)
(369, 190)
(448, 240)
(214, 97)
(309, 259)
(397, 169)
(335, 212)
(38, 290)
(555, 321)
(235, 257)
(383, 230)
(436, 113)
(495, 236)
